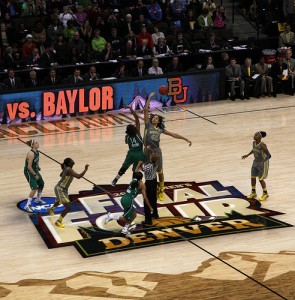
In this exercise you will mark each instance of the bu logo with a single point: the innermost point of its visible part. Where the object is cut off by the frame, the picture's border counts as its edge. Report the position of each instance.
(176, 90)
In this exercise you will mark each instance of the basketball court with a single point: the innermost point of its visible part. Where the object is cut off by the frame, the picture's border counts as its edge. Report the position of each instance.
(252, 258)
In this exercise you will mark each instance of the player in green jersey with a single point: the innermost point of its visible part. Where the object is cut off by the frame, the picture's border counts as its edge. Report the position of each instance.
(260, 165)
(135, 144)
(33, 176)
(135, 186)
(154, 126)
(61, 189)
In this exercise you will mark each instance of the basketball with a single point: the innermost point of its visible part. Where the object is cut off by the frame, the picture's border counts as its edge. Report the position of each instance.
(163, 90)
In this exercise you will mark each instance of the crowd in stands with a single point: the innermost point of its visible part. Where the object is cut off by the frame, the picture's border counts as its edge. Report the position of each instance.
(48, 34)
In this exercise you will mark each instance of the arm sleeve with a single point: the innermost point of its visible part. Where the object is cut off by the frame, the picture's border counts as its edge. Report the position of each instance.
(268, 156)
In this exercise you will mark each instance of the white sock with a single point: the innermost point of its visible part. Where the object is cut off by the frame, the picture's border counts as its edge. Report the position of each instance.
(114, 217)
(39, 195)
(29, 201)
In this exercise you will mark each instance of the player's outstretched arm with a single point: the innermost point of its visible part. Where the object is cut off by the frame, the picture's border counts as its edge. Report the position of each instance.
(146, 108)
(245, 156)
(133, 112)
(77, 175)
(136, 118)
(177, 136)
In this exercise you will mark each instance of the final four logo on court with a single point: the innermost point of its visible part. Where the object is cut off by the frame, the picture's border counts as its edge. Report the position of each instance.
(188, 212)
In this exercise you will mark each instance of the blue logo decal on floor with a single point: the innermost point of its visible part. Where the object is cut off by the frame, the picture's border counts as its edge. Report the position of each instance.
(40, 208)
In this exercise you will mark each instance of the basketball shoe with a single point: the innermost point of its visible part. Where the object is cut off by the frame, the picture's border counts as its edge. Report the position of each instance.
(128, 230)
(114, 182)
(252, 195)
(131, 227)
(28, 208)
(125, 231)
(40, 201)
(161, 194)
(146, 224)
(263, 197)
(59, 224)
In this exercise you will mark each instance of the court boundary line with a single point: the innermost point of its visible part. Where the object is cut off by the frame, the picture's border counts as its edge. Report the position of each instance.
(204, 118)
(229, 265)
(234, 268)
(249, 111)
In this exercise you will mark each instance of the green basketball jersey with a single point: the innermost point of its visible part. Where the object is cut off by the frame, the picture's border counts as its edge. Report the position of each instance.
(131, 193)
(135, 143)
(35, 163)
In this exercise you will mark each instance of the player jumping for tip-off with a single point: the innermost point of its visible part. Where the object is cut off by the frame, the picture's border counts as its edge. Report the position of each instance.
(154, 126)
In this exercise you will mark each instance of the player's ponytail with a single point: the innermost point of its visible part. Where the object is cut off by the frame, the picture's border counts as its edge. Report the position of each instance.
(30, 143)
(161, 122)
(262, 134)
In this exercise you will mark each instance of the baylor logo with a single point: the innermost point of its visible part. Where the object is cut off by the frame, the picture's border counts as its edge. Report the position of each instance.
(190, 210)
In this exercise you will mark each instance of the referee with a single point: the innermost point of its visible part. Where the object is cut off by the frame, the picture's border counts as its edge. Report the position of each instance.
(150, 173)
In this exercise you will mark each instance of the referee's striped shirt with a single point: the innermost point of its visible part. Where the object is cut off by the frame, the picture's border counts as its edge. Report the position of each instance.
(150, 171)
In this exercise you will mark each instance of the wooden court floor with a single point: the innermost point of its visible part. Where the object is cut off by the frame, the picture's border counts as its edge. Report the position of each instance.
(252, 265)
